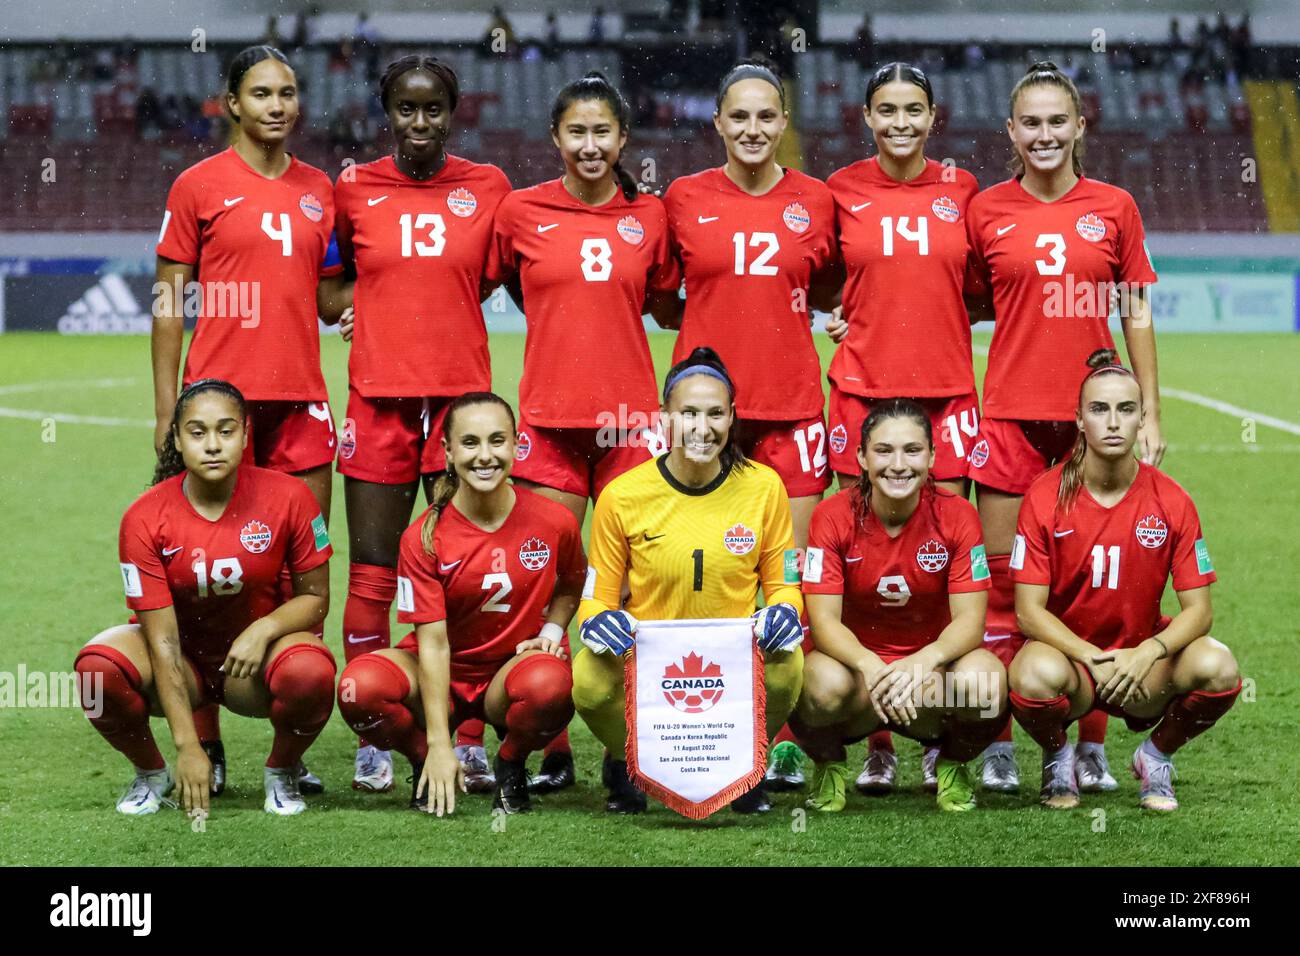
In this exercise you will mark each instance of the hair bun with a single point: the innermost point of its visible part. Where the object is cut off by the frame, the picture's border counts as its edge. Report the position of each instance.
(1042, 66)
(595, 75)
(1103, 357)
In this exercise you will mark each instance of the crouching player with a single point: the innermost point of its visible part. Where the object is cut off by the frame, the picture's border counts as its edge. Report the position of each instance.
(202, 552)
(895, 579)
(695, 532)
(1098, 537)
(490, 576)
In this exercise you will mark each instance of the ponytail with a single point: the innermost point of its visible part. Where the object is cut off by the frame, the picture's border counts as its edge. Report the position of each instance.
(1102, 362)
(595, 86)
(170, 463)
(1046, 73)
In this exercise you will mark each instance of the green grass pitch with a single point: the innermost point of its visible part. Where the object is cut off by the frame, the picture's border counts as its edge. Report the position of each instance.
(64, 490)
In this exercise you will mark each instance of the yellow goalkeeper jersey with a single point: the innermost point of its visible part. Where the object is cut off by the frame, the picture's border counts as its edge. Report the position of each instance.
(691, 552)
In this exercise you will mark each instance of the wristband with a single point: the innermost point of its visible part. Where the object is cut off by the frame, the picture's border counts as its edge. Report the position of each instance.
(551, 632)
(1164, 650)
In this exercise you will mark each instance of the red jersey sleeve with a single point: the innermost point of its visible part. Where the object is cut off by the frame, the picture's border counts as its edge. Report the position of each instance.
(1030, 560)
(144, 579)
(178, 239)
(666, 270)
(823, 566)
(502, 260)
(420, 597)
(1192, 567)
(970, 567)
(1134, 263)
(309, 540)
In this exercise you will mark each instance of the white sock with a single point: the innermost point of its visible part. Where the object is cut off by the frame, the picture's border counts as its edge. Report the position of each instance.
(1153, 751)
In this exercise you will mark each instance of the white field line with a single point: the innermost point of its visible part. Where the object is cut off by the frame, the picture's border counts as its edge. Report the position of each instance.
(67, 383)
(39, 416)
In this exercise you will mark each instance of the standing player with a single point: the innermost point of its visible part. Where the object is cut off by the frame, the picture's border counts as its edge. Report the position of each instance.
(753, 238)
(202, 554)
(490, 576)
(414, 229)
(902, 234)
(1055, 248)
(1099, 536)
(704, 507)
(895, 580)
(587, 249)
(251, 228)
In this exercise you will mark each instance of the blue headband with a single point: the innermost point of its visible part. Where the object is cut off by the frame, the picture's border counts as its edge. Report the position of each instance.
(698, 370)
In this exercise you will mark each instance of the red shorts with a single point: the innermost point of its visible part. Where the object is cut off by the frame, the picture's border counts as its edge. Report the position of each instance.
(291, 436)
(795, 450)
(1004, 648)
(580, 461)
(392, 441)
(466, 699)
(212, 682)
(955, 421)
(1010, 454)
(1135, 724)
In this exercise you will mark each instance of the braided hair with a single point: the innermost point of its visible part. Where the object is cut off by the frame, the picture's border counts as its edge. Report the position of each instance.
(899, 73)
(595, 86)
(170, 463)
(429, 64)
(883, 410)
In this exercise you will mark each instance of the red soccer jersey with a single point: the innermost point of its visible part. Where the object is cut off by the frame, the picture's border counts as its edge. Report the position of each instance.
(585, 271)
(896, 589)
(492, 588)
(748, 262)
(419, 249)
(258, 247)
(1107, 567)
(221, 575)
(905, 253)
(1051, 267)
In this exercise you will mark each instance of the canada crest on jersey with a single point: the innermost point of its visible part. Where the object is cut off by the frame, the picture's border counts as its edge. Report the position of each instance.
(311, 207)
(523, 445)
(691, 686)
(979, 455)
(534, 554)
(462, 202)
(932, 556)
(839, 439)
(1091, 226)
(796, 217)
(1152, 531)
(739, 539)
(946, 209)
(255, 537)
(631, 230)
(348, 438)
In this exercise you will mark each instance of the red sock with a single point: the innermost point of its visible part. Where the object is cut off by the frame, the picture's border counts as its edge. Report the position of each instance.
(559, 744)
(1001, 615)
(207, 722)
(1004, 735)
(1044, 720)
(881, 740)
(301, 682)
(1092, 726)
(115, 706)
(371, 692)
(371, 589)
(1190, 715)
(540, 688)
(966, 739)
(470, 733)
(783, 735)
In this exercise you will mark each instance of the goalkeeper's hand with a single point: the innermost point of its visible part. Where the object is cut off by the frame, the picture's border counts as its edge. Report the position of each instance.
(609, 631)
(777, 628)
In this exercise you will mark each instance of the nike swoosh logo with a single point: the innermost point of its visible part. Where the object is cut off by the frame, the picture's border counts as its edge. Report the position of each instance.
(231, 202)
(704, 219)
(859, 206)
(541, 228)
(1062, 534)
(376, 202)
(168, 552)
(853, 560)
(361, 640)
(444, 568)
(1005, 229)
(654, 537)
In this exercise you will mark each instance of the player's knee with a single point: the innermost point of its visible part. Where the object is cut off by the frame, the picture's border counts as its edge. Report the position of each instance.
(1214, 668)
(1039, 671)
(302, 677)
(977, 685)
(368, 686)
(596, 685)
(546, 683)
(106, 680)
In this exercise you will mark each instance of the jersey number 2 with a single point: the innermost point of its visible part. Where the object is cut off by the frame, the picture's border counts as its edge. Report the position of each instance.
(494, 601)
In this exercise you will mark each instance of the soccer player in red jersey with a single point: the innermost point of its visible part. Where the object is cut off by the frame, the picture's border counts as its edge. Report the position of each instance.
(413, 232)
(895, 581)
(590, 253)
(906, 323)
(202, 554)
(1055, 248)
(246, 247)
(754, 239)
(490, 576)
(1099, 536)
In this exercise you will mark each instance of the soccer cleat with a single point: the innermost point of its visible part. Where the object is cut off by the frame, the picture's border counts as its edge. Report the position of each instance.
(929, 779)
(420, 803)
(785, 772)
(308, 782)
(999, 771)
(829, 781)
(1060, 791)
(556, 773)
(147, 792)
(512, 786)
(216, 752)
(878, 772)
(1157, 775)
(955, 789)
(478, 776)
(1091, 769)
(754, 800)
(624, 797)
(283, 797)
(374, 770)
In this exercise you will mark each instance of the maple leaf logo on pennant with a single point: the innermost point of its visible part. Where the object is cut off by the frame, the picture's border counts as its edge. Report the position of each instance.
(692, 687)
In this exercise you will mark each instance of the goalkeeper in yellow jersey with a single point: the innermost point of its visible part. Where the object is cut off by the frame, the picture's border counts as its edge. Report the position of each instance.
(695, 532)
